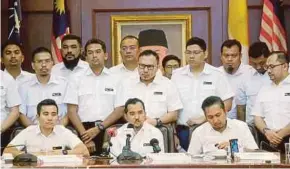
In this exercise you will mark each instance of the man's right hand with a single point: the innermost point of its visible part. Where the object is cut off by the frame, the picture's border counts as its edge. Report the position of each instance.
(91, 146)
(273, 137)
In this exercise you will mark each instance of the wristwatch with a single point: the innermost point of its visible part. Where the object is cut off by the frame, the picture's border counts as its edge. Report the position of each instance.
(265, 129)
(64, 152)
(100, 126)
(159, 122)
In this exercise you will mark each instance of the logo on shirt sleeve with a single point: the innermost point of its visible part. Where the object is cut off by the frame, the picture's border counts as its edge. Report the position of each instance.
(56, 94)
(287, 94)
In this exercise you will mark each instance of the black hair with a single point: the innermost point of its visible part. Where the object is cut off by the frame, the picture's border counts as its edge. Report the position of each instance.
(258, 49)
(95, 41)
(133, 101)
(281, 56)
(212, 100)
(129, 37)
(10, 42)
(230, 43)
(40, 50)
(72, 37)
(168, 58)
(148, 53)
(46, 102)
(196, 41)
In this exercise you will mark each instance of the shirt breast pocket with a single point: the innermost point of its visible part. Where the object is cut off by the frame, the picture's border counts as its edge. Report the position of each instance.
(207, 90)
(86, 96)
(285, 104)
(159, 106)
(185, 93)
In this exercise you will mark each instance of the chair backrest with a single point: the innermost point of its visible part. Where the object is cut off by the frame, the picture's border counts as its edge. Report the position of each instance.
(16, 131)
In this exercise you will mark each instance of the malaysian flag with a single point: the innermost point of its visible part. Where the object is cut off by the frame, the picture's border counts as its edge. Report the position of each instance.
(273, 31)
(14, 20)
(60, 27)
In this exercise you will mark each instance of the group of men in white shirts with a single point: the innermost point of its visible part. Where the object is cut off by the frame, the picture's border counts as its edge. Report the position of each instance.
(91, 97)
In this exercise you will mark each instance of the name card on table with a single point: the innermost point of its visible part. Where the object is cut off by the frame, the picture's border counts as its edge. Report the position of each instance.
(259, 157)
(167, 158)
(60, 160)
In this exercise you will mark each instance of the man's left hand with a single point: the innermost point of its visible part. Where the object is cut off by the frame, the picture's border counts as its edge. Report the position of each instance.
(89, 134)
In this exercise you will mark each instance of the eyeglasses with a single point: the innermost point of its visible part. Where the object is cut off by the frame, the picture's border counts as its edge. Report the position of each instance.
(149, 67)
(195, 52)
(267, 67)
(47, 61)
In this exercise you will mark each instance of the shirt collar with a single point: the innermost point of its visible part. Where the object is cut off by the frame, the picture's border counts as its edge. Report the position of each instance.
(286, 80)
(123, 67)
(229, 125)
(22, 73)
(206, 70)
(81, 64)
(105, 71)
(38, 131)
(157, 79)
(51, 80)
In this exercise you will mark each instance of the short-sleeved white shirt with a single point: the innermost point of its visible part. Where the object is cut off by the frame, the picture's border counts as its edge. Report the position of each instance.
(59, 69)
(35, 141)
(9, 94)
(273, 104)
(192, 90)
(22, 77)
(248, 89)
(93, 94)
(122, 71)
(32, 92)
(144, 135)
(204, 138)
(235, 79)
(159, 97)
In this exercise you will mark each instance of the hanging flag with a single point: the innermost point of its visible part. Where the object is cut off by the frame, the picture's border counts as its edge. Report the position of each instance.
(14, 20)
(238, 25)
(273, 31)
(60, 27)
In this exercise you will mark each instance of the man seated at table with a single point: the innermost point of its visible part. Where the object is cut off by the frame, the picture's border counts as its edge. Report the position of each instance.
(47, 138)
(218, 130)
(143, 132)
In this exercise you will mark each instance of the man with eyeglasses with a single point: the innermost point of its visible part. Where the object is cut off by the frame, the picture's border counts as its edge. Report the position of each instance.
(272, 108)
(159, 94)
(43, 85)
(195, 82)
(248, 89)
(170, 63)
(233, 69)
(129, 50)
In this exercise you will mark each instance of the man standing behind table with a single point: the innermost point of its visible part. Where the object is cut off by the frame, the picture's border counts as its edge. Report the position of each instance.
(71, 51)
(218, 130)
(195, 82)
(235, 71)
(272, 108)
(248, 89)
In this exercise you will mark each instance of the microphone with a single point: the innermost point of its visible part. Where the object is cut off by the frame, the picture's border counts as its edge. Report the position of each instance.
(128, 156)
(24, 159)
(155, 144)
(129, 130)
(106, 149)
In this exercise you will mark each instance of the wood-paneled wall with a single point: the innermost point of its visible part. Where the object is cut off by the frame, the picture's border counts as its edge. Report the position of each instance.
(92, 18)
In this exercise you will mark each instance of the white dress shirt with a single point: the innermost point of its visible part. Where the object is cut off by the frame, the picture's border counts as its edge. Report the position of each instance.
(59, 69)
(273, 104)
(159, 97)
(193, 90)
(144, 135)
(248, 89)
(9, 94)
(32, 92)
(35, 141)
(243, 72)
(204, 138)
(22, 77)
(122, 71)
(93, 94)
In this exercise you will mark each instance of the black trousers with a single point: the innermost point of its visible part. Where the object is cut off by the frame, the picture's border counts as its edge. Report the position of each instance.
(281, 146)
(98, 140)
(5, 138)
